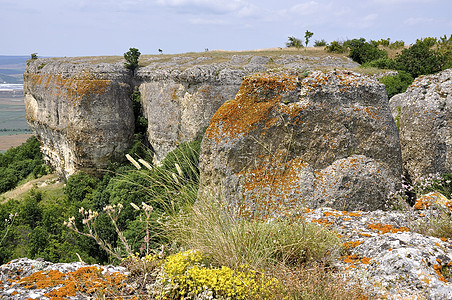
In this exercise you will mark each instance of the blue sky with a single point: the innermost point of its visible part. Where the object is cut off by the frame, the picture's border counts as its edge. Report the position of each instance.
(111, 27)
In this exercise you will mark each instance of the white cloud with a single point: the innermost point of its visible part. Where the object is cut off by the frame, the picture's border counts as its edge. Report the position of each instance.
(239, 7)
(200, 21)
(308, 8)
(419, 21)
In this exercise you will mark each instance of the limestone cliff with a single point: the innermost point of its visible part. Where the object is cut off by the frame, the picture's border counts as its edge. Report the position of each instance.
(81, 111)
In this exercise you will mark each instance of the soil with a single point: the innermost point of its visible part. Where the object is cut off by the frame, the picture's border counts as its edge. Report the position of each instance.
(8, 141)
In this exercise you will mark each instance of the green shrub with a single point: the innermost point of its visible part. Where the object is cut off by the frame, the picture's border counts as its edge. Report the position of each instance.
(419, 59)
(19, 162)
(294, 42)
(397, 45)
(381, 63)
(80, 186)
(362, 52)
(397, 84)
(320, 43)
(336, 47)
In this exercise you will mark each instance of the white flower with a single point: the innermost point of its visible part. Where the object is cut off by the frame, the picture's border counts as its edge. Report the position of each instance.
(133, 161)
(134, 206)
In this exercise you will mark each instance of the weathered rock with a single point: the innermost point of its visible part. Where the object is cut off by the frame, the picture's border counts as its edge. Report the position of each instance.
(287, 141)
(81, 113)
(424, 116)
(389, 259)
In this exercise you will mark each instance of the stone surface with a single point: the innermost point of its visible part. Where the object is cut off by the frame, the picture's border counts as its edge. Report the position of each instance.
(424, 115)
(38, 279)
(81, 112)
(387, 257)
(287, 140)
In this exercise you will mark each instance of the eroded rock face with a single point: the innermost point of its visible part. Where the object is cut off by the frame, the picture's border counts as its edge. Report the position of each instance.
(80, 108)
(181, 95)
(81, 113)
(286, 141)
(424, 115)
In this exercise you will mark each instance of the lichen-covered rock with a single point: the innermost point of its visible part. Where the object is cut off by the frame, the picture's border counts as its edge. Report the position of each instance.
(424, 116)
(181, 95)
(286, 141)
(80, 107)
(387, 257)
(81, 113)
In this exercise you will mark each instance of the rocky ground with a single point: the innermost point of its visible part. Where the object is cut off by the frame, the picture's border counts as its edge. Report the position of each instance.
(385, 255)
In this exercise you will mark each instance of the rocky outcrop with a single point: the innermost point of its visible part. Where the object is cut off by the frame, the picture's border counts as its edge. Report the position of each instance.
(80, 108)
(287, 141)
(387, 257)
(424, 116)
(80, 112)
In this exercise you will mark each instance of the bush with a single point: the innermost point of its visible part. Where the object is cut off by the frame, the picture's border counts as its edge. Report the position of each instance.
(336, 47)
(80, 186)
(419, 59)
(362, 52)
(397, 45)
(320, 43)
(397, 84)
(381, 63)
(17, 163)
(294, 42)
(228, 242)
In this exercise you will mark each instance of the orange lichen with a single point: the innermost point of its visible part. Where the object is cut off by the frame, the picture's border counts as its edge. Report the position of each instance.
(321, 221)
(264, 184)
(365, 260)
(386, 228)
(253, 104)
(74, 88)
(351, 259)
(88, 280)
(351, 244)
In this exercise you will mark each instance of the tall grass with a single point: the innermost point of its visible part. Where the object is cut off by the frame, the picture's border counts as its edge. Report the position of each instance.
(209, 228)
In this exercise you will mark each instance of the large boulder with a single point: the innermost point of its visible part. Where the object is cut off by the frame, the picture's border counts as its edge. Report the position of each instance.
(424, 116)
(288, 141)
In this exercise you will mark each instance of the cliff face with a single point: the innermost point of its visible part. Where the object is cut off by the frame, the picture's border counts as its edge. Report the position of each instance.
(81, 111)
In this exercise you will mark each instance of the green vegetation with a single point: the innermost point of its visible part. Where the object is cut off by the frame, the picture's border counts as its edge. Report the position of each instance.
(320, 43)
(307, 36)
(132, 57)
(18, 163)
(294, 42)
(397, 84)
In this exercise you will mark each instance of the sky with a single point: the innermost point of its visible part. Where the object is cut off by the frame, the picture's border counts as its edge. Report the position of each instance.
(111, 27)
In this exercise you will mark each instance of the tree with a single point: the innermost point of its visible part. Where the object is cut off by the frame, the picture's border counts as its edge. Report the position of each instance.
(131, 57)
(362, 52)
(419, 59)
(34, 56)
(307, 36)
(294, 42)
